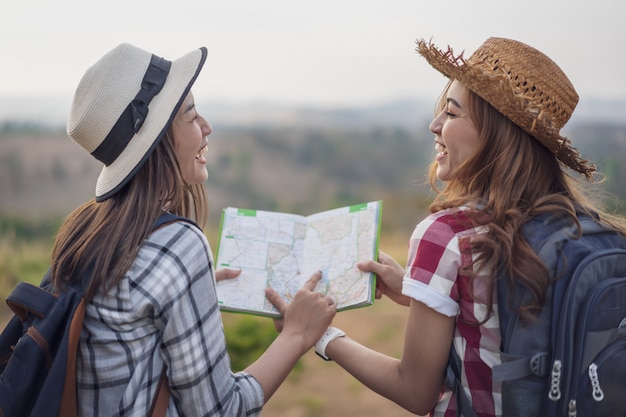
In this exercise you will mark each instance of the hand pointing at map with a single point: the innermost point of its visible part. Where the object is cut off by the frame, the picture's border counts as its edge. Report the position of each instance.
(307, 311)
(306, 318)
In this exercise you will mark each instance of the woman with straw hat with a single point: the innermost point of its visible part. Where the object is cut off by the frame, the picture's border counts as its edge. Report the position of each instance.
(152, 300)
(500, 163)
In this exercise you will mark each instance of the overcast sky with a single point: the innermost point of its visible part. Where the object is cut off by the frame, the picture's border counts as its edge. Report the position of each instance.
(320, 52)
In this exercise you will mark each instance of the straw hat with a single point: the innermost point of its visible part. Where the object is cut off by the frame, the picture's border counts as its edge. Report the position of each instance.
(521, 83)
(123, 106)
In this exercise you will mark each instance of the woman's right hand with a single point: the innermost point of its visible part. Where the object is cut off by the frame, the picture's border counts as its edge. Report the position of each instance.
(309, 313)
(390, 275)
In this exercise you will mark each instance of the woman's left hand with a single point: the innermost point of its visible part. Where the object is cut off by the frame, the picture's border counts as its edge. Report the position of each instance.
(226, 273)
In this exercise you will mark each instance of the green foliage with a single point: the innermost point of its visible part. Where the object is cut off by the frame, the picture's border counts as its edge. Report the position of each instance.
(21, 261)
(18, 230)
(25, 247)
(247, 337)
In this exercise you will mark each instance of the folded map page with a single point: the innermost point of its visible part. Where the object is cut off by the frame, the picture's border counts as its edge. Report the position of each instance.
(282, 250)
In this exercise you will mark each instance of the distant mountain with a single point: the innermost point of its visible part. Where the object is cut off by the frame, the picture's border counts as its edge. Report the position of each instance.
(598, 110)
(48, 110)
(406, 113)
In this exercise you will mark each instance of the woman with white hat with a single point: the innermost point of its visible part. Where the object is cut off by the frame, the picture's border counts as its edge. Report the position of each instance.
(500, 163)
(152, 300)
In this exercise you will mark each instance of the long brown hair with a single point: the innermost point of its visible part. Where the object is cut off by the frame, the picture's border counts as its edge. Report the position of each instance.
(510, 179)
(107, 235)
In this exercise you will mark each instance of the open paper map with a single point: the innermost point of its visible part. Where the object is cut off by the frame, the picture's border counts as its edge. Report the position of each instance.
(282, 250)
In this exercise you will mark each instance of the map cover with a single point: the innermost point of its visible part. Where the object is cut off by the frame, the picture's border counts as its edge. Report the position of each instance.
(282, 250)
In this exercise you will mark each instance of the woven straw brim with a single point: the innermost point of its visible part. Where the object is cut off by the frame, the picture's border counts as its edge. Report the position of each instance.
(514, 101)
(162, 110)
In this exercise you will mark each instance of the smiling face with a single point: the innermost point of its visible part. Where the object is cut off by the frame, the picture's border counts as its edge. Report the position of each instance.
(456, 137)
(190, 144)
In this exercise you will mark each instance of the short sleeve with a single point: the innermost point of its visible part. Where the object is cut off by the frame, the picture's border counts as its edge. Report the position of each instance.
(433, 266)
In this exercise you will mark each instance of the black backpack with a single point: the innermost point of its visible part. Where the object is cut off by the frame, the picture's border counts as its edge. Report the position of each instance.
(38, 349)
(572, 361)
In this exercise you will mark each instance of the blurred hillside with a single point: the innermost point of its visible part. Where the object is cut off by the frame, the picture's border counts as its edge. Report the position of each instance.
(44, 175)
(53, 110)
(300, 160)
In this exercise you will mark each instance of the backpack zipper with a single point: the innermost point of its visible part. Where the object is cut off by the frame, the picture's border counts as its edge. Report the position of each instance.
(563, 352)
(571, 408)
(596, 390)
(555, 381)
(568, 351)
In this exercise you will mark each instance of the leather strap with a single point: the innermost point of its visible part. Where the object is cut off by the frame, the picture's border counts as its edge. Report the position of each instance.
(69, 400)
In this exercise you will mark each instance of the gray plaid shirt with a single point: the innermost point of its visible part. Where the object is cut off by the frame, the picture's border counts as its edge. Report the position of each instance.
(164, 311)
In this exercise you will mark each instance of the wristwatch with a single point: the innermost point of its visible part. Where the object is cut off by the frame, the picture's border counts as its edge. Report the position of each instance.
(331, 334)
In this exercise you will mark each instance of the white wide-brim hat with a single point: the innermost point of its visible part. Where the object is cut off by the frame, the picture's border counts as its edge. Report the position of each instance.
(123, 106)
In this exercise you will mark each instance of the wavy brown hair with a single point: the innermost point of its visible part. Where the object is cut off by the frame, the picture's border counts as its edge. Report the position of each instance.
(510, 179)
(107, 235)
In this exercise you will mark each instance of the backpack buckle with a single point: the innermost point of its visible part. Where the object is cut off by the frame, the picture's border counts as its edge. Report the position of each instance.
(538, 364)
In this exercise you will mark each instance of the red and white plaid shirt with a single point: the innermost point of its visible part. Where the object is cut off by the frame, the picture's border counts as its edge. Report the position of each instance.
(439, 251)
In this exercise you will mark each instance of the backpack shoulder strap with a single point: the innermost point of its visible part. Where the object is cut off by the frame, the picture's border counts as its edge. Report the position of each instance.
(168, 218)
(550, 248)
(453, 382)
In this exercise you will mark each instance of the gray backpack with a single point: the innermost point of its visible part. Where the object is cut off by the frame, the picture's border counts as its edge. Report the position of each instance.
(572, 360)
